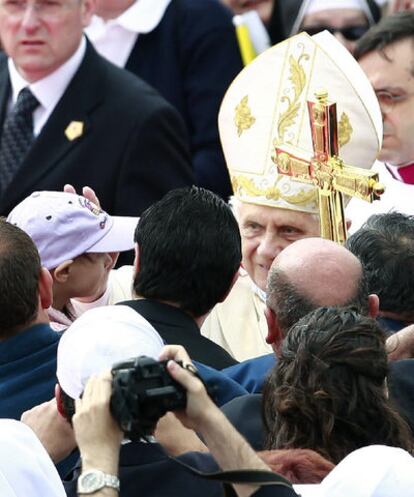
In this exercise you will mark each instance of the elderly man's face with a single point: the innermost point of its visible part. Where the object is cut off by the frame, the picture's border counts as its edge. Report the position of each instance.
(392, 75)
(266, 231)
(41, 35)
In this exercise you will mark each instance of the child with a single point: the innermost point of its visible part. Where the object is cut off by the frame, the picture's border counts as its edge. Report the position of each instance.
(79, 244)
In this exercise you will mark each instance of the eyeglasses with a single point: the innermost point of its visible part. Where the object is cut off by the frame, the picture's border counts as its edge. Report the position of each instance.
(388, 101)
(351, 33)
(44, 8)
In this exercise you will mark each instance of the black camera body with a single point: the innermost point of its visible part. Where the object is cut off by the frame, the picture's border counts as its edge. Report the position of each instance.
(142, 392)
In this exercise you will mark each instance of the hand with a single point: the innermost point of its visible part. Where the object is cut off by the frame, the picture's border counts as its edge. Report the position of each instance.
(401, 344)
(199, 405)
(52, 429)
(97, 433)
(175, 438)
(87, 192)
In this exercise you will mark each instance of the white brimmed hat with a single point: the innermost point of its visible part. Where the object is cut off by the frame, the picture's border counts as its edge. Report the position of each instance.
(100, 338)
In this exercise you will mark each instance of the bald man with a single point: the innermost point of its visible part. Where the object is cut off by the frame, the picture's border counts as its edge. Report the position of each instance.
(308, 274)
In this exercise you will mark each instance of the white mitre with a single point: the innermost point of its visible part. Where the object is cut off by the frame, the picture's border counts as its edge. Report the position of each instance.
(266, 106)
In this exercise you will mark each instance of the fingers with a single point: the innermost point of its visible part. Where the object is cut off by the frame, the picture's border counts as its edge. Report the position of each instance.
(87, 192)
(176, 353)
(69, 188)
(90, 194)
(185, 377)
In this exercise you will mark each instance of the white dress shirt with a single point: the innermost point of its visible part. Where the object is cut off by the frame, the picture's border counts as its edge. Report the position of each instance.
(115, 38)
(48, 90)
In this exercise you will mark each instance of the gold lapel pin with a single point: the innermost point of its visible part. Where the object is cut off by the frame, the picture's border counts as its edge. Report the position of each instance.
(74, 130)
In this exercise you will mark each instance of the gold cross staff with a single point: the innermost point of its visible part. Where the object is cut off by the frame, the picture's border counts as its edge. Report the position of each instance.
(327, 171)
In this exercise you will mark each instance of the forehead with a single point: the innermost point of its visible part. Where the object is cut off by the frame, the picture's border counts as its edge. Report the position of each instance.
(272, 216)
(335, 17)
(392, 67)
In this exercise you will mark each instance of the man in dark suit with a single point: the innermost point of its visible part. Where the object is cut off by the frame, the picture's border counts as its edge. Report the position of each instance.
(187, 50)
(84, 120)
(188, 254)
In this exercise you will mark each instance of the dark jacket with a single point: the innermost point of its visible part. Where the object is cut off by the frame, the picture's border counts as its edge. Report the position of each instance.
(132, 151)
(191, 58)
(178, 328)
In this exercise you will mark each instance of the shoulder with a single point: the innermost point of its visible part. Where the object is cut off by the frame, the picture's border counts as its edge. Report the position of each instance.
(124, 89)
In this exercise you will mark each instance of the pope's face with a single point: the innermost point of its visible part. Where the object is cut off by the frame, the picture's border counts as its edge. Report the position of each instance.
(41, 35)
(112, 8)
(392, 72)
(266, 231)
(262, 7)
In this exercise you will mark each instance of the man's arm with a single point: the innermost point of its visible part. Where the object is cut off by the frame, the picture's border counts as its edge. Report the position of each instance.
(97, 434)
(226, 445)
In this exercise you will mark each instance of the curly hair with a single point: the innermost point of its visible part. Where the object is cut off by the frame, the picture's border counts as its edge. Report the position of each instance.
(327, 392)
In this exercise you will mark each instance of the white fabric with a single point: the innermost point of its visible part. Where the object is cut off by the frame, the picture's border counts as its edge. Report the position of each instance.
(48, 90)
(258, 33)
(25, 468)
(115, 38)
(398, 196)
(374, 471)
(99, 339)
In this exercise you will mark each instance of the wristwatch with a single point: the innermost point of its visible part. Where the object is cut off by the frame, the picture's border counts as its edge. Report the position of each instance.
(93, 480)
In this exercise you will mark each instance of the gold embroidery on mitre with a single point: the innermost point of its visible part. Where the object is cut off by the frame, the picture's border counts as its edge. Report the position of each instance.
(345, 130)
(243, 118)
(74, 130)
(298, 79)
(244, 186)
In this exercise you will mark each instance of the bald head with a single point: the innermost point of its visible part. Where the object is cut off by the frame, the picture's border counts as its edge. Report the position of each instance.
(312, 273)
(321, 270)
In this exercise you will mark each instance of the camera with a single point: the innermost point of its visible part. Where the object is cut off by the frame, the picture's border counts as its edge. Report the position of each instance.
(142, 392)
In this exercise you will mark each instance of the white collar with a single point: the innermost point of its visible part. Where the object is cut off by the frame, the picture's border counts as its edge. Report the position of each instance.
(142, 17)
(48, 90)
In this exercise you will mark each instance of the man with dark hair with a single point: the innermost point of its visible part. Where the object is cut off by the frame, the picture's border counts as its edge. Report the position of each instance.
(187, 259)
(27, 344)
(385, 246)
(386, 54)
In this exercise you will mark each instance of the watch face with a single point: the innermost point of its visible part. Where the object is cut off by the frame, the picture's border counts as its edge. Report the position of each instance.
(92, 480)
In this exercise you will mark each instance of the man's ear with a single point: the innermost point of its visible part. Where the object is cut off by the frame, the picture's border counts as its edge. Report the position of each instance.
(114, 257)
(61, 273)
(45, 288)
(136, 259)
(233, 281)
(373, 305)
(274, 333)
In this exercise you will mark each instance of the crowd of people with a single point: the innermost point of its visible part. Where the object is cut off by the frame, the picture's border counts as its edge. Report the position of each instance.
(207, 248)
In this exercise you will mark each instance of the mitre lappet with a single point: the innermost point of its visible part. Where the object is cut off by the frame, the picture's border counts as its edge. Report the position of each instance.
(299, 126)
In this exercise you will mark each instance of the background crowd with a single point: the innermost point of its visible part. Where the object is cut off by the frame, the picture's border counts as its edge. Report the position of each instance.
(146, 214)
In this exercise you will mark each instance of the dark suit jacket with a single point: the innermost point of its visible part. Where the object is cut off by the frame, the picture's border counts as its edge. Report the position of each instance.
(132, 151)
(177, 327)
(145, 470)
(191, 58)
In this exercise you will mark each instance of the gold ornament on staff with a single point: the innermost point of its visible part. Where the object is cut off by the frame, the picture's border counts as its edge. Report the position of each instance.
(327, 171)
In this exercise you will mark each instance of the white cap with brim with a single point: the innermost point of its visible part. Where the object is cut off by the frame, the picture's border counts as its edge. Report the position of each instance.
(100, 338)
(64, 226)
